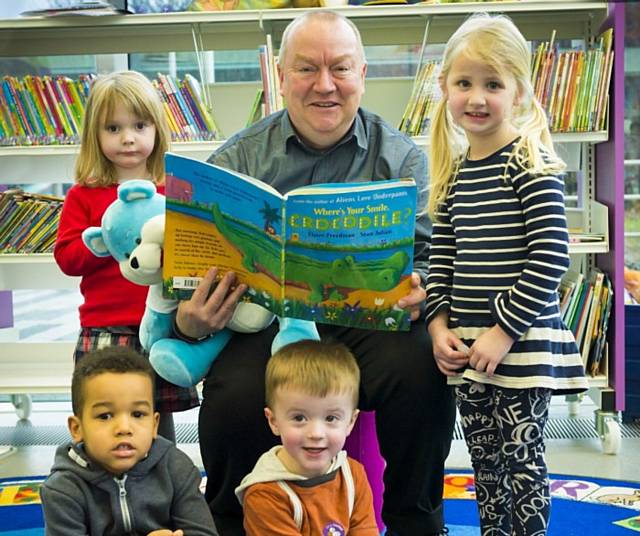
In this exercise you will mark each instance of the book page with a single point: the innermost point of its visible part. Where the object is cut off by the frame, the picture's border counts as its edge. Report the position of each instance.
(216, 217)
(349, 253)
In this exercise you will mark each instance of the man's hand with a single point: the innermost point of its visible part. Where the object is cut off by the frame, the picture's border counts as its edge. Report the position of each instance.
(449, 351)
(166, 532)
(489, 350)
(415, 298)
(204, 314)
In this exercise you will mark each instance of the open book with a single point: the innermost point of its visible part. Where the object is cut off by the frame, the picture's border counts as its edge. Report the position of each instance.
(332, 253)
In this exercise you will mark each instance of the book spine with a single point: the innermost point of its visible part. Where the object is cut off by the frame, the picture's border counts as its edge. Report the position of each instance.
(593, 90)
(200, 125)
(173, 127)
(76, 111)
(16, 120)
(59, 87)
(39, 86)
(175, 108)
(30, 127)
(192, 124)
(207, 114)
(32, 113)
(49, 131)
(63, 128)
(6, 123)
(568, 95)
(266, 86)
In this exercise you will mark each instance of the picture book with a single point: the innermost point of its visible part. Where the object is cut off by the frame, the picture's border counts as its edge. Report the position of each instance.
(339, 253)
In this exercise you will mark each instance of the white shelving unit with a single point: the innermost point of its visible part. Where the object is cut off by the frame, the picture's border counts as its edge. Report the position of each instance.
(28, 368)
(55, 163)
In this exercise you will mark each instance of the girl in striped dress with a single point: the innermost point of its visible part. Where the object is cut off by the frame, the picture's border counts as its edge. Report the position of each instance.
(499, 248)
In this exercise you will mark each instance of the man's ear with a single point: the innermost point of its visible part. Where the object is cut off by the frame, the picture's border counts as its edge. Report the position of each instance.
(354, 418)
(280, 78)
(272, 421)
(75, 428)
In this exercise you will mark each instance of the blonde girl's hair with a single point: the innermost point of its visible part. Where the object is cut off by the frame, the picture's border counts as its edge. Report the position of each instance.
(138, 95)
(495, 41)
(316, 368)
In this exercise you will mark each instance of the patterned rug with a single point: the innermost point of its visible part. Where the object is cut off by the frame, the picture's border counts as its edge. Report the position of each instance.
(581, 506)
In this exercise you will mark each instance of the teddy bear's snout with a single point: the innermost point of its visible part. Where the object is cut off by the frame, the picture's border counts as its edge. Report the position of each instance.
(134, 263)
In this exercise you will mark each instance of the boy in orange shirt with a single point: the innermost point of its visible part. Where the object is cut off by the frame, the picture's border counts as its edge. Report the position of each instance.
(312, 396)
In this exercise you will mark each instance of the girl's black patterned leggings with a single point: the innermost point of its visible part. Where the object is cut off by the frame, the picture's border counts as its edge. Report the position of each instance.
(503, 429)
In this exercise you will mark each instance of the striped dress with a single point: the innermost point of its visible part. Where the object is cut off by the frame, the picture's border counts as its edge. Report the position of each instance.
(498, 253)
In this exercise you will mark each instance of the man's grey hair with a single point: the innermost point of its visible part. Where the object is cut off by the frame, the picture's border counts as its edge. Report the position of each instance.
(308, 16)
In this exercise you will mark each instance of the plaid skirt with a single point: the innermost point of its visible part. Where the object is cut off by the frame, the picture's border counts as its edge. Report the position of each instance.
(168, 398)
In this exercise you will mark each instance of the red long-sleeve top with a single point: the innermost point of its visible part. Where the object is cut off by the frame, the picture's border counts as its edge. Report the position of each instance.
(109, 298)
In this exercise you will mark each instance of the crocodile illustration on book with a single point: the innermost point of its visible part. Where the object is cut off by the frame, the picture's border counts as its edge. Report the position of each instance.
(327, 280)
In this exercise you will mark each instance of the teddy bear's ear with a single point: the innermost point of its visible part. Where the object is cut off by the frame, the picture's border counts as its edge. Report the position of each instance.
(92, 238)
(136, 189)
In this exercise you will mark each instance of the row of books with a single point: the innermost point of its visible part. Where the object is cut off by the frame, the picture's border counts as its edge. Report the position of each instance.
(424, 96)
(44, 110)
(572, 86)
(29, 221)
(190, 119)
(268, 98)
(271, 99)
(48, 110)
(585, 305)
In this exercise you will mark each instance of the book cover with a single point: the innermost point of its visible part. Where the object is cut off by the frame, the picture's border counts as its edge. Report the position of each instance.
(200, 98)
(583, 313)
(332, 253)
(598, 349)
(576, 307)
(596, 279)
(576, 291)
(567, 290)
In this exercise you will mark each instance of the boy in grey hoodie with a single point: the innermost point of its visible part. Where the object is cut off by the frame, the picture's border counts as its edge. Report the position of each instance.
(117, 476)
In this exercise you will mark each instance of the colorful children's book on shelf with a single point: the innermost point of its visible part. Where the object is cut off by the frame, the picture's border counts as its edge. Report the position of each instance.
(333, 253)
(573, 85)
(28, 222)
(424, 97)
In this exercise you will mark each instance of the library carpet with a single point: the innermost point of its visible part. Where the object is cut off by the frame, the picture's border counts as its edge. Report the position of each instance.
(580, 506)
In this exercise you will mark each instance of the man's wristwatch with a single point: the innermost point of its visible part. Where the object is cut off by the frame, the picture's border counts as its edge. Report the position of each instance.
(187, 338)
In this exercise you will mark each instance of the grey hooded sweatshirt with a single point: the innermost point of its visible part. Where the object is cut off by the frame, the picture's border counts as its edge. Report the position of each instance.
(160, 492)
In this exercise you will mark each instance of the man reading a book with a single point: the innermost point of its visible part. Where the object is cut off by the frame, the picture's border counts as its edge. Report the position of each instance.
(325, 136)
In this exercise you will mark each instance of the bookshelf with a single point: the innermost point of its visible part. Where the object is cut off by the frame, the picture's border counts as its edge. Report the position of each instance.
(54, 163)
(379, 25)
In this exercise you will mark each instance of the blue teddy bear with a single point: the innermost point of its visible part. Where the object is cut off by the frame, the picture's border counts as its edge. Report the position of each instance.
(132, 232)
